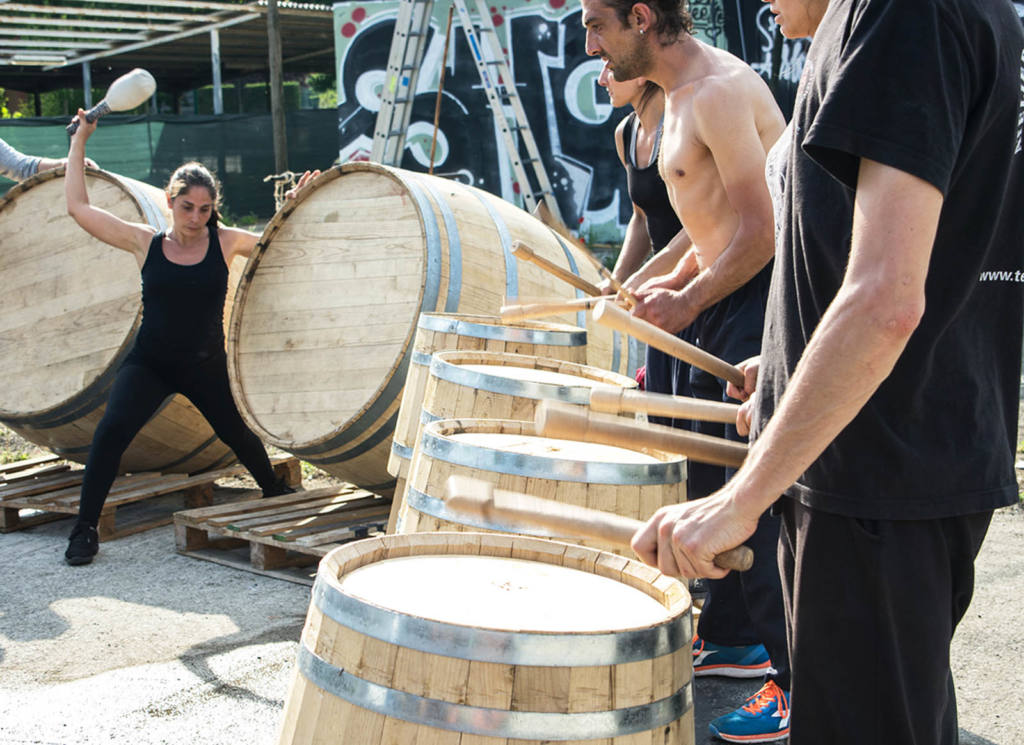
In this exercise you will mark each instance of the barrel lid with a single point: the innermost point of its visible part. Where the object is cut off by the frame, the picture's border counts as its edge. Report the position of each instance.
(70, 304)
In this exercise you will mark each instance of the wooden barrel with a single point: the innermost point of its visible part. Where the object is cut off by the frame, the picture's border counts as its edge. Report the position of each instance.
(492, 385)
(321, 338)
(510, 455)
(70, 308)
(470, 638)
(443, 332)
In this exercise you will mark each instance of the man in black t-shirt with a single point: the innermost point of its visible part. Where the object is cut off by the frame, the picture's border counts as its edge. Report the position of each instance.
(888, 388)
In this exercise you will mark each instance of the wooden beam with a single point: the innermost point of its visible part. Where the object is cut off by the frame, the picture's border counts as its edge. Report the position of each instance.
(156, 41)
(63, 23)
(276, 89)
(46, 33)
(66, 10)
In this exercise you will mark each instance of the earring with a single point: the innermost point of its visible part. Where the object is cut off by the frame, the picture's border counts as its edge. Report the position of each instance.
(641, 32)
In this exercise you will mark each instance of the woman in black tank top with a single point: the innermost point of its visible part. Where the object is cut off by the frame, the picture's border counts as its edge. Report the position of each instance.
(653, 225)
(180, 344)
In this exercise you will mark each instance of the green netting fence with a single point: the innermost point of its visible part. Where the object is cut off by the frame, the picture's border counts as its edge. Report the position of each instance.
(237, 147)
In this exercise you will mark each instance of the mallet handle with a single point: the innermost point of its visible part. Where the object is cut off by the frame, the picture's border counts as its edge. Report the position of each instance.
(565, 422)
(614, 400)
(521, 251)
(480, 498)
(614, 317)
(100, 109)
(541, 310)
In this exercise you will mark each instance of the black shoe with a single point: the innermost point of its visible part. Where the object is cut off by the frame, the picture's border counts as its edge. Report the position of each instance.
(83, 544)
(280, 487)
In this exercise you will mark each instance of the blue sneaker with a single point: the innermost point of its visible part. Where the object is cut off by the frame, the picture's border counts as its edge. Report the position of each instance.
(764, 718)
(731, 662)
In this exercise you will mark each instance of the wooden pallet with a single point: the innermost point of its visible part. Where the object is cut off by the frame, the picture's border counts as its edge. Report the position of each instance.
(50, 491)
(282, 536)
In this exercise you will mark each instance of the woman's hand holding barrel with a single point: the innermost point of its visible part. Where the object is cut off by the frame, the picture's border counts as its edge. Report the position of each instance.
(304, 179)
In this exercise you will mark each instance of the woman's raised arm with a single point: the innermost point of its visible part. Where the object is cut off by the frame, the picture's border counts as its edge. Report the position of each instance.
(99, 223)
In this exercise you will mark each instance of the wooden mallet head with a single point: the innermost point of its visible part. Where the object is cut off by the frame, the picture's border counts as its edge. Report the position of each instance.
(128, 91)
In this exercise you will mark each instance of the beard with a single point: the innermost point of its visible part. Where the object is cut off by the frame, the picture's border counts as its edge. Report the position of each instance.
(633, 63)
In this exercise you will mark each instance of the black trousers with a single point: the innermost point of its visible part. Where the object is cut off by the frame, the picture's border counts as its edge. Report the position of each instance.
(871, 607)
(140, 388)
(744, 607)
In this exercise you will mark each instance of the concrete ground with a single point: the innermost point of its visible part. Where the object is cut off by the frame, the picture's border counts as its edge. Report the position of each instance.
(146, 646)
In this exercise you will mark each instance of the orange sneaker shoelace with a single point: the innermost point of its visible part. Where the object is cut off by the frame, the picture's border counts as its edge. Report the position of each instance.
(769, 693)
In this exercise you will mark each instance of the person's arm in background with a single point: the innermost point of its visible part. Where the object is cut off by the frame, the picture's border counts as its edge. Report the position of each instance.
(15, 165)
(18, 166)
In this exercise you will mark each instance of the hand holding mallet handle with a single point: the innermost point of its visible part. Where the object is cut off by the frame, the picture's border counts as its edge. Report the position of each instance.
(480, 498)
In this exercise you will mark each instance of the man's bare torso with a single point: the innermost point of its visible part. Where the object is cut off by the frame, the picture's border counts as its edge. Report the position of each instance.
(729, 106)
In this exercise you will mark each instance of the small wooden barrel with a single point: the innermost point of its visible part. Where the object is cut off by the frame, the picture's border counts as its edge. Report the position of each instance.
(443, 332)
(510, 455)
(471, 638)
(69, 311)
(321, 340)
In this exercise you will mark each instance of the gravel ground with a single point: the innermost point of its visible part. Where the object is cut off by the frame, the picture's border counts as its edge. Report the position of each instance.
(147, 646)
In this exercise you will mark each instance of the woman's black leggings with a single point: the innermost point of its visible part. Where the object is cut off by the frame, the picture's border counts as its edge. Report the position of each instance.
(139, 390)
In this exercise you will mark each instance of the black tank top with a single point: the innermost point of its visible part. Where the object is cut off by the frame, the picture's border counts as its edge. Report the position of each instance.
(183, 306)
(648, 191)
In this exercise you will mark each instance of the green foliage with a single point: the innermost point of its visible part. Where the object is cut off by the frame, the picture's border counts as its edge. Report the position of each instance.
(255, 98)
(12, 456)
(326, 89)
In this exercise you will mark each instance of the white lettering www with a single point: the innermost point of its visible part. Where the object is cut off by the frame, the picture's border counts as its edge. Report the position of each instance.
(1011, 276)
(1020, 116)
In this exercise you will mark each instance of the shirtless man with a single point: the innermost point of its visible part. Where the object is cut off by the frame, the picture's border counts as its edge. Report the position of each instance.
(720, 120)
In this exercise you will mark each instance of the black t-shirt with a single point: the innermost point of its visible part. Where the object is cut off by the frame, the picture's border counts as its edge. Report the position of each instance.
(933, 88)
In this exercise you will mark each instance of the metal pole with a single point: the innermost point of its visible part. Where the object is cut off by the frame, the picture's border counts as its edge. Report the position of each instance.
(87, 84)
(276, 89)
(218, 90)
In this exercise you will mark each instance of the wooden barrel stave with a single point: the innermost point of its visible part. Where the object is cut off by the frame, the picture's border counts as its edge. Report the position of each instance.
(439, 332)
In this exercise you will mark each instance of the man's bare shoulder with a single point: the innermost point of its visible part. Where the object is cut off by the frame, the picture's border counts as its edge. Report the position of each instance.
(731, 93)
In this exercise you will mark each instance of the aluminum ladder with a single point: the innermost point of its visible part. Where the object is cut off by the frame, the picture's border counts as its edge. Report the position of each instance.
(408, 45)
(506, 106)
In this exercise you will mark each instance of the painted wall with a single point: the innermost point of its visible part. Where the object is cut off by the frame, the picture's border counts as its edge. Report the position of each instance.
(570, 115)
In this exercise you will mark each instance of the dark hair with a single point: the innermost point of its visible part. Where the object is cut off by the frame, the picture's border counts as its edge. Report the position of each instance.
(671, 17)
(196, 174)
(650, 90)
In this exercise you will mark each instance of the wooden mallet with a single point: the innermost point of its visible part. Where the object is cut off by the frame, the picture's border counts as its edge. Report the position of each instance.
(552, 308)
(523, 252)
(611, 315)
(128, 91)
(480, 499)
(544, 215)
(565, 422)
(614, 400)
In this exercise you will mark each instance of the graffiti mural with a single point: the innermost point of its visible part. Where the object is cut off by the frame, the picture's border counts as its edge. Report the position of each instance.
(569, 113)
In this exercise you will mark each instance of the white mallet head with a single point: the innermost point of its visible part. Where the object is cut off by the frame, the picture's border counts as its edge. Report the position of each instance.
(128, 91)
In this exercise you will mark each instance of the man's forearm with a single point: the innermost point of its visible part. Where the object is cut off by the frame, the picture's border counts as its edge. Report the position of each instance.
(742, 259)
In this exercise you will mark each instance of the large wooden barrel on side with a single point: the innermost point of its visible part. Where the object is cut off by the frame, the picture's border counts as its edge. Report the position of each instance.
(510, 455)
(70, 307)
(321, 338)
(470, 638)
(442, 332)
